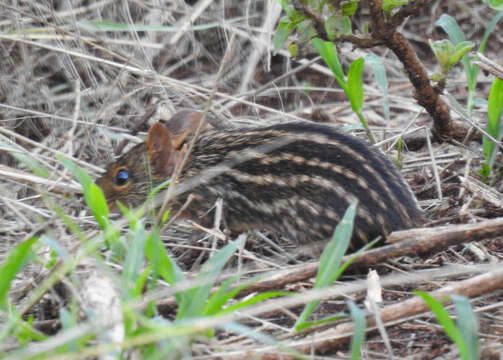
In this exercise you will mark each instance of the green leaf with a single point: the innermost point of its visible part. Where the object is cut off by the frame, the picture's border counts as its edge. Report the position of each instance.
(349, 7)
(16, 260)
(468, 325)
(437, 77)
(294, 15)
(379, 71)
(285, 4)
(442, 50)
(358, 338)
(451, 27)
(327, 51)
(355, 84)
(493, 127)
(460, 50)
(337, 25)
(495, 4)
(282, 33)
(389, 5)
(447, 323)
(306, 31)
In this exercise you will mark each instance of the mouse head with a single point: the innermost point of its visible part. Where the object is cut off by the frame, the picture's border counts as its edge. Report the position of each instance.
(131, 178)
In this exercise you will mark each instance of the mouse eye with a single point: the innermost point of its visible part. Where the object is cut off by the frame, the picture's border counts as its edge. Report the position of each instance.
(122, 177)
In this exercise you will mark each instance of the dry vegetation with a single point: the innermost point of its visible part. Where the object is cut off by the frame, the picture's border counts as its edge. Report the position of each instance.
(68, 88)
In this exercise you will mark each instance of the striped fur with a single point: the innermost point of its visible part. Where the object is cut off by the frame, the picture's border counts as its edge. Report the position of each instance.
(300, 189)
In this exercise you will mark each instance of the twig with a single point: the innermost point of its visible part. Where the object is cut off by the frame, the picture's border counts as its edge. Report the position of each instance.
(410, 242)
(490, 66)
(476, 286)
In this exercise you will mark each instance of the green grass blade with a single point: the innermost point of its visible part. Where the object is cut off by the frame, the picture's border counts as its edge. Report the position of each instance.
(162, 263)
(493, 127)
(220, 297)
(468, 325)
(55, 246)
(355, 84)
(253, 300)
(489, 31)
(336, 248)
(28, 160)
(472, 79)
(324, 320)
(358, 338)
(445, 320)
(16, 260)
(197, 297)
(22, 330)
(133, 262)
(98, 204)
(92, 193)
(82, 177)
(339, 271)
(330, 261)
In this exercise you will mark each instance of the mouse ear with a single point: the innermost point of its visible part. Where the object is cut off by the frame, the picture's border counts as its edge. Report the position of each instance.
(183, 124)
(160, 150)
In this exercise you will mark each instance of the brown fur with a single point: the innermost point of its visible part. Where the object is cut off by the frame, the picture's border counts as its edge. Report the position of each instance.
(300, 189)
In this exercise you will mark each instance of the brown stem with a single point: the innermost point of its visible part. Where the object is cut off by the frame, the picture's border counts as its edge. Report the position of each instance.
(361, 42)
(319, 24)
(413, 8)
(425, 93)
